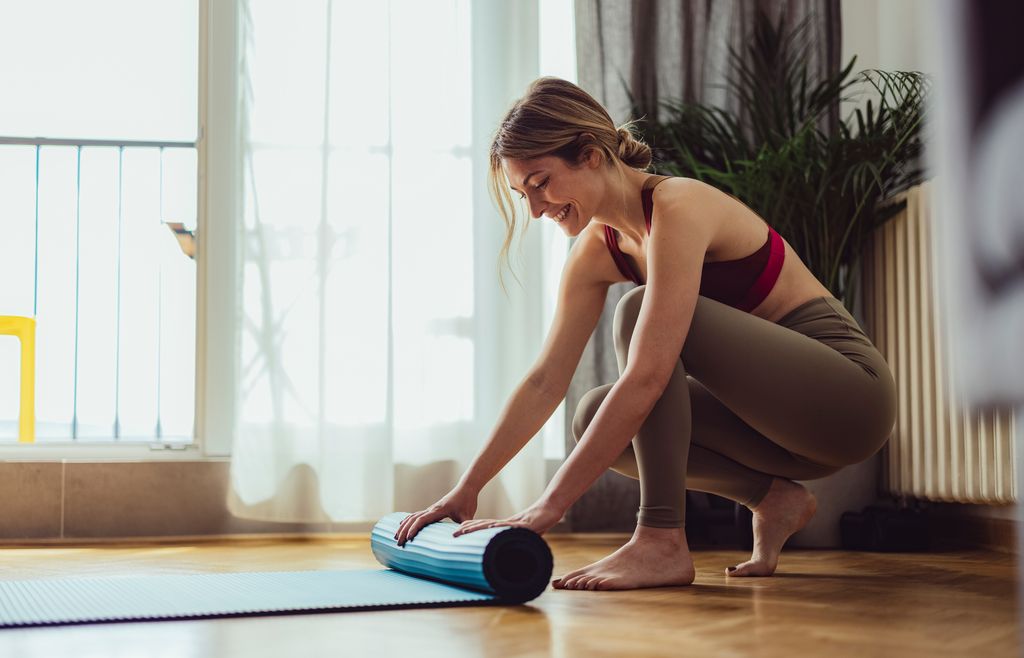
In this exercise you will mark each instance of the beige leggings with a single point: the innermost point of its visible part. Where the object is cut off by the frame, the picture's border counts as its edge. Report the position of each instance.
(750, 400)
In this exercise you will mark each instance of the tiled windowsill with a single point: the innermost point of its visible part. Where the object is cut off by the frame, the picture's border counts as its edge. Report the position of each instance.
(89, 501)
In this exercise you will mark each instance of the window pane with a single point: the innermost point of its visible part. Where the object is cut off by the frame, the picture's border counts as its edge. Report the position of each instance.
(430, 66)
(356, 322)
(359, 83)
(17, 210)
(279, 356)
(55, 321)
(141, 234)
(432, 257)
(433, 235)
(128, 68)
(285, 63)
(97, 293)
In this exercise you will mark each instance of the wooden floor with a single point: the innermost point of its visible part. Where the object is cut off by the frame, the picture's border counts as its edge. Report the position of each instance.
(820, 603)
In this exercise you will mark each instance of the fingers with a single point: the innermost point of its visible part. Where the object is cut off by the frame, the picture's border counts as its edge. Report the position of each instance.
(470, 526)
(412, 524)
(479, 524)
(401, 528)
(405, 530)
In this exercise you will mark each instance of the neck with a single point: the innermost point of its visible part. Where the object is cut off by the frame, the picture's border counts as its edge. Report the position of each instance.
(621, 207)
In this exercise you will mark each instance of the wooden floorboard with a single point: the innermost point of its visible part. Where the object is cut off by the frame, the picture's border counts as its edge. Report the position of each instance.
(819, 603)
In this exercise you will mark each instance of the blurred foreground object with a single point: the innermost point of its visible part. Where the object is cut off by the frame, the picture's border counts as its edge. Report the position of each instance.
(979, 138)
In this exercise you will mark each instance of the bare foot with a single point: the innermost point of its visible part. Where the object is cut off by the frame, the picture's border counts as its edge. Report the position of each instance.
(786, 508)
(653, 557)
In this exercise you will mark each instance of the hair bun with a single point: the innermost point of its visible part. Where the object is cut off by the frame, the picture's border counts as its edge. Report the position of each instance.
(625, 137)
(631, 150)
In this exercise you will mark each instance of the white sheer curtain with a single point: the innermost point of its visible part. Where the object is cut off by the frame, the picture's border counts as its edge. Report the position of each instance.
(375, 348)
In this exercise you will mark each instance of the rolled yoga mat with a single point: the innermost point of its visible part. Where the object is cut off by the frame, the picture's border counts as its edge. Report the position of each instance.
(501, 565)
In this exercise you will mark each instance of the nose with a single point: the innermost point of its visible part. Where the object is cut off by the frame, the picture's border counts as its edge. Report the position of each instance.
(537, 207)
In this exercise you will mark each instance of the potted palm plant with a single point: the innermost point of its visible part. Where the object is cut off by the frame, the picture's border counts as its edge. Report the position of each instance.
(822, 182)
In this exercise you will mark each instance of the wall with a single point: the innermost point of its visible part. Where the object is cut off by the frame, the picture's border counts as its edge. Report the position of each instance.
(889, 34)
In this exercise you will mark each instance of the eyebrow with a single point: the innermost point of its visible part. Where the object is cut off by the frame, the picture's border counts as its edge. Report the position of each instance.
(527, 179)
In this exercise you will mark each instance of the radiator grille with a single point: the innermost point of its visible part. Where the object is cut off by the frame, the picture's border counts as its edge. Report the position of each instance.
(940, 449)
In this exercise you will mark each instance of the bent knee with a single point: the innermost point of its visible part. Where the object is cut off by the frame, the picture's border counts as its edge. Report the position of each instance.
(852, 453)
(626, 313)
(587, 409)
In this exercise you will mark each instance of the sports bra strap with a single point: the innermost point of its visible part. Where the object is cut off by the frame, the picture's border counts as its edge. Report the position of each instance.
(611, 238)
(647, 196)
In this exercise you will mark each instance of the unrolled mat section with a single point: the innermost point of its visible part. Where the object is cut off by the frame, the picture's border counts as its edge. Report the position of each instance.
(491, 566)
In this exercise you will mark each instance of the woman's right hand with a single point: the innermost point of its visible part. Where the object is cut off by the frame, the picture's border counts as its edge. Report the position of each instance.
(459, 504)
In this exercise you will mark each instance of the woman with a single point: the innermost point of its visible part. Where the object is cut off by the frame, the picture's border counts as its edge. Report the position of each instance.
(739, 371)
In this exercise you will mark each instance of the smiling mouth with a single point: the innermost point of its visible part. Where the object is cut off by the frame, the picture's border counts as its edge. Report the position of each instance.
(563, 213)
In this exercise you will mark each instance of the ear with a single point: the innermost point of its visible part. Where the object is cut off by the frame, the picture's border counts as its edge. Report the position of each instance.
(593, 157)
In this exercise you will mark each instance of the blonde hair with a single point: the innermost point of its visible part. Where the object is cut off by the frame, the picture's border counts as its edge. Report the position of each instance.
(556, 118)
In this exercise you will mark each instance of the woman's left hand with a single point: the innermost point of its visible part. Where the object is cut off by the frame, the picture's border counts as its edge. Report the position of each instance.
(538, 517)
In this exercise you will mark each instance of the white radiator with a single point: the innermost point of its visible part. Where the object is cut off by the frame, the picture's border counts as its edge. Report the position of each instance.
(939, 449)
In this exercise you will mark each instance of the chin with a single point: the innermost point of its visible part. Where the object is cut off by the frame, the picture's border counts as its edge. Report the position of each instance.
(575, 228)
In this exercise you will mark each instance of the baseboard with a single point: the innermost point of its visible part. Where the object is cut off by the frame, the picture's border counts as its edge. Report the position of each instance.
(561, 528)
(959, 528)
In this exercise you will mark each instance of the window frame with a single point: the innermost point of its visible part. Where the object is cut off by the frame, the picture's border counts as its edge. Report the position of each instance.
(218, 17)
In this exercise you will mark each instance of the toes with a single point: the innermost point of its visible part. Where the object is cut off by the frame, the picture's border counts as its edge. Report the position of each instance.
(751, 569)
(741, 570)
(569, 580)
(574, 583)
(569, 576)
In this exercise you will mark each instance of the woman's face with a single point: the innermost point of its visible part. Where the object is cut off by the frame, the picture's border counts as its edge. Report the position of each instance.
(555, 190)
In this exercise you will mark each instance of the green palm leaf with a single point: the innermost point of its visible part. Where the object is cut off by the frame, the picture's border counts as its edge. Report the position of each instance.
(824, 185)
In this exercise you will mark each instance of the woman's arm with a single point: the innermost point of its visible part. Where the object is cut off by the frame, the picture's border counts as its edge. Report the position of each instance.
(582, 292)
(584, 286)
(675, 258)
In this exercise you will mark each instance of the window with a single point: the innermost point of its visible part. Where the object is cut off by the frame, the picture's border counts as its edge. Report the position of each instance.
(99, 151)
(98, 137)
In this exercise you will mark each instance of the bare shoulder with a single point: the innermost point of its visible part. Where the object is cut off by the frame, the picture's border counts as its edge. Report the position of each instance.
(688, 196)
(731, 228)
(589, 261)
(688, 205)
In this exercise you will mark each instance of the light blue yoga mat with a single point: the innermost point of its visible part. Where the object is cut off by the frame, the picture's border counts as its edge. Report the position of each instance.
(493, 566)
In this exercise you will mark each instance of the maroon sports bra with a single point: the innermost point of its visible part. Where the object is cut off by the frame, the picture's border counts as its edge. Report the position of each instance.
(742, 283)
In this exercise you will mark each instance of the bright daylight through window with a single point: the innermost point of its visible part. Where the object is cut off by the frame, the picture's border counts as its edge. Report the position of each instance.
(97, 155)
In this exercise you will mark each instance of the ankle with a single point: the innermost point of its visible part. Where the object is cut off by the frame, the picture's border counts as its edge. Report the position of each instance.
(777, 486)
(675, 537)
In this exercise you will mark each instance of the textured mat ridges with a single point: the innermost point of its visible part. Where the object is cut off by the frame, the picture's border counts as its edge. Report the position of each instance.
(433, 552)
(57, 601)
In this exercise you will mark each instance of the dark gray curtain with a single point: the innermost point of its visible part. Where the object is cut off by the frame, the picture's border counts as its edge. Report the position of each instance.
(662, 49)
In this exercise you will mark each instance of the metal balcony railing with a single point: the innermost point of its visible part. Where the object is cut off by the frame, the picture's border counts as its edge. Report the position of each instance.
(86, 253)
